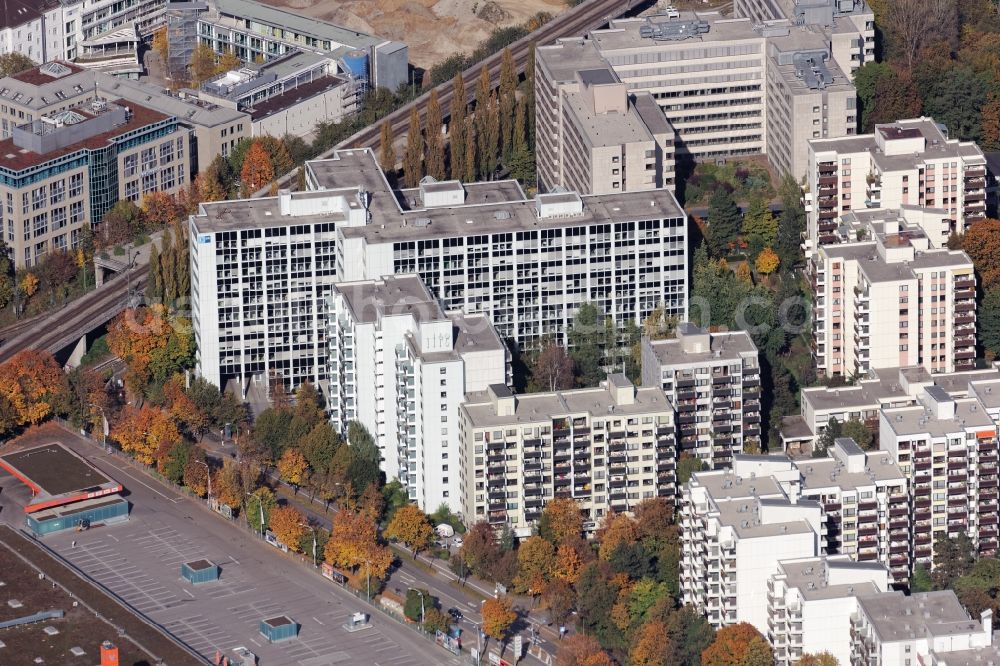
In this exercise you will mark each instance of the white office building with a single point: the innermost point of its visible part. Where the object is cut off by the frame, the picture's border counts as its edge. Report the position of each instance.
(401, 366)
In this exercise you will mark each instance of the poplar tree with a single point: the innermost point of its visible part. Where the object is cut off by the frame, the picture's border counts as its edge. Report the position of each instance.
(470, 151)
(490, 138)
(414, 153)
(507, 99)
(434, 159)
(182, 269)
(386, 151)
(456, 128)
(168, 284)
(154, 284)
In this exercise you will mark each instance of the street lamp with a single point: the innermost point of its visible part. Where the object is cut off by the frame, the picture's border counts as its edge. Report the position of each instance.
(420, 592)
(313, 529)
(368, 578)
(208, 475)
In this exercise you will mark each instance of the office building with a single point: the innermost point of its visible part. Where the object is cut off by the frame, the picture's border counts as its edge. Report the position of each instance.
(401, 367)
(594, 136)
(61, 172)
(738, 86)
(57, 86)
(812, 602)
(931, 628)
(257, 32)
(892, 301)
(734, 532)
(906, 163)
(481, 248)
(947, 447)
(608, 448)
(713, 381)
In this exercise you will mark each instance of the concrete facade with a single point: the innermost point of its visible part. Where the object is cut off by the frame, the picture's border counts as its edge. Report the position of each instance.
(608, 448)
(392, 334)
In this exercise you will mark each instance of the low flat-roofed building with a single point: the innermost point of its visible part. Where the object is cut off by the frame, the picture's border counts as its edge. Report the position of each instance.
(609, 448)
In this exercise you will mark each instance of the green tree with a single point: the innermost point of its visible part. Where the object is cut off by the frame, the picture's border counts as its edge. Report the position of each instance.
(269, 430)
(921, 580)
(833, 430)
(989, 323)
(859, 432)
(791, 223)
(456, 128)
(202, 64)
(363, 469)
(953, 558)
(413, 154)
(690, 634)
(434, 161)
(412, 606)
(586, 337)
(14, 63)
(529, 95)
(866, 80)
(259, 500)
(488, 139)
(956, 99)
(723, 222)
(687, 464)
(760, 222)
(386, 149)
(596, 596)
(471, 163)
(154, 283)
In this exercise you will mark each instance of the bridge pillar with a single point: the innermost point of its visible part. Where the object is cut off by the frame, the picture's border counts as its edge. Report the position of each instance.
(76, 356)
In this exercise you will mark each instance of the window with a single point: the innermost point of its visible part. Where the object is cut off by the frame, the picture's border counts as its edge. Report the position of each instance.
(130, 164)
(76, 185)
(40, 224)
(166, 153)
(57, 192)
(76, 212)
(132, 190)
(59, 217)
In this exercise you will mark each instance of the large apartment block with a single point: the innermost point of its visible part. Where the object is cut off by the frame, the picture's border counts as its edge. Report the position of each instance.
(906, 163)
(61, 172)
(481, 248)
(401, 367)
(947, 447)
(596, 137)
(713, 382)
(863, 496)
(608, 448)
(734, 532)
(812, 602)
(892, 301)
(930, 628)
(731, 86)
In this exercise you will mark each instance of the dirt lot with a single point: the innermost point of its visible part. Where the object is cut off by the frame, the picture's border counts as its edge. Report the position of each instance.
(434, 29)
(80, 627)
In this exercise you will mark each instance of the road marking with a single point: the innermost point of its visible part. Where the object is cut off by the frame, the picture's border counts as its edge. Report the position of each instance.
(317, 620)
(188, 592)
(140, 482)
(112, 536)
(408, 578)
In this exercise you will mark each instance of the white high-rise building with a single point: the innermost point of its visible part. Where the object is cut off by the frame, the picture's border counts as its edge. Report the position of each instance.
(811, 603)
(401, 367)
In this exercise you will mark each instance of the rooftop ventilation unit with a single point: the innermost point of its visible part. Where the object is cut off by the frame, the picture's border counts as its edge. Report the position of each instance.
(673, 31)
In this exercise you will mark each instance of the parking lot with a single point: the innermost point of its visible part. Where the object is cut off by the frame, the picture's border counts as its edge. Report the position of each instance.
(139, 560)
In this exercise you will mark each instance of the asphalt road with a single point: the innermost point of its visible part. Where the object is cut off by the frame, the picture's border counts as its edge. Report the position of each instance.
(140, 560)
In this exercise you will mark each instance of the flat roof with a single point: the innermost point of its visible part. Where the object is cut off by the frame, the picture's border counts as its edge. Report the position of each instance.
(816, 578)
(392, 295)
(543, 407)
(724, 346)
(56, 476)
(293, 96)
(819, 473)
(896, 617)
(14, 158)
(918, 420)
(486, 209)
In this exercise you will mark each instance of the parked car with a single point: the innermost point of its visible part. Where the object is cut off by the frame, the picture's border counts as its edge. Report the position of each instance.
(457, 541)
(455, 614)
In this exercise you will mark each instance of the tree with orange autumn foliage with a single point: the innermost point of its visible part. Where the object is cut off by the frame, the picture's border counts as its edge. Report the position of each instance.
(738, 645)
(183, 409)
(991, 125)
(227, 485)
(568, 564)
(536, 559)
(616, 529)
(257, 171)
(819, 659)
(767, 261)
(292, 466)
(153, 344)
(287, 523)
(146, 433)
(498, 616)
(561, 519)
(651, 646)
(981, 242)
(582, 650)
(196, 473)
(160, 209)
(354, 546)
(409, 526)
(32, 388)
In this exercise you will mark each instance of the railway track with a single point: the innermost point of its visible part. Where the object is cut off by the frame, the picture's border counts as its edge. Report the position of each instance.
(587, 16)
(60, 329)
